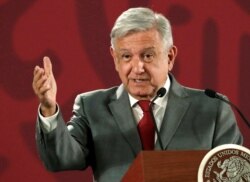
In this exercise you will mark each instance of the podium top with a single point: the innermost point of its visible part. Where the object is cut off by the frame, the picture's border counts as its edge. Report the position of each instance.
(165, 166)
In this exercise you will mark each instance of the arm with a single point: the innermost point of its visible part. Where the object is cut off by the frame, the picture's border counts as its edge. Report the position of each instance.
(44, 86)
(58, 149)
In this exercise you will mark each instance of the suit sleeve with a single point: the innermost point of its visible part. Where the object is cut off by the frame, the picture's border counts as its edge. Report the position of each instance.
(226, 129)
(65, 147)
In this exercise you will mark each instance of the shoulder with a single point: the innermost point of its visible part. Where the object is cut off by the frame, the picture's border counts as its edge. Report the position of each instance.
(194, 92)
(93, 100)
(180, 90)
(194, 95)
(97, 95)
(184, 91)
(201, 94)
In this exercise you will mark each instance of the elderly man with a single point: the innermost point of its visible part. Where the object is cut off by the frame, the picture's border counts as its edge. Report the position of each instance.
(108, 127)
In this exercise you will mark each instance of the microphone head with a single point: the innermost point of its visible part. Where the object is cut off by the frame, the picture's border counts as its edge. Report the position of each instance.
(210, 93)
(161, 92)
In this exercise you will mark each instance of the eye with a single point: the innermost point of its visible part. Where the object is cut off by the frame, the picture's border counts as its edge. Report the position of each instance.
(126, 57)
(148, 57)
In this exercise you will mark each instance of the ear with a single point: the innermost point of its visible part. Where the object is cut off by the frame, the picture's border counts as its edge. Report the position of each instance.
(113, 54)
(172, 53)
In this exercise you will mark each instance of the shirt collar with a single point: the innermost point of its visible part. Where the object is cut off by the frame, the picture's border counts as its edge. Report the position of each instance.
(158, 101)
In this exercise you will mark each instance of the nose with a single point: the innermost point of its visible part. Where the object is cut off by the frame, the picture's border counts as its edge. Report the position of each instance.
(138, 66)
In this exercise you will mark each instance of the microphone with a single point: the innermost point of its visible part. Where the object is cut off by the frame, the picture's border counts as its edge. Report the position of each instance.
(213, 94)
(160, 93)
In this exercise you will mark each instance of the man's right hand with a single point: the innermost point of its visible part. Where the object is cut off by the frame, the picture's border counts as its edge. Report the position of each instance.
(44, 86)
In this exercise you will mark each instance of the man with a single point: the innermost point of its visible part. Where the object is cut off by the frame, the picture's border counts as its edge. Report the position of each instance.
(104, 130)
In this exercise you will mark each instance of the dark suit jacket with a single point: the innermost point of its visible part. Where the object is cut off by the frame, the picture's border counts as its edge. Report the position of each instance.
(102, 132)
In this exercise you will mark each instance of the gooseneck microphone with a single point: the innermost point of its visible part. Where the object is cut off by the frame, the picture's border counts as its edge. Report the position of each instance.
(160, 93)
(213, 94)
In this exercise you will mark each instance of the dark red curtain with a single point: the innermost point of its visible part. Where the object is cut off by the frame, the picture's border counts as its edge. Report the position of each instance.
(213, 39)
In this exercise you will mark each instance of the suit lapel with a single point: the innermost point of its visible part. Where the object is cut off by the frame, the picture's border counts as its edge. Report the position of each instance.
(178, 103)
(125, 120)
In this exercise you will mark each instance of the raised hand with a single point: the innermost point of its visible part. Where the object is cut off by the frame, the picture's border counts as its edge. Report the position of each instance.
(44, 86)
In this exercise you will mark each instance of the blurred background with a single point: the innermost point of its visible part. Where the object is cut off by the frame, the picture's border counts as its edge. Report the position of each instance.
(213, 39)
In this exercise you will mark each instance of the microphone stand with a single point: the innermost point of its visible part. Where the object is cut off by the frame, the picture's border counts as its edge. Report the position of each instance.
(156, 129)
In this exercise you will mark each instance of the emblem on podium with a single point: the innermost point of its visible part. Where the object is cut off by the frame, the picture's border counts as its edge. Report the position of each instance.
(225, 163)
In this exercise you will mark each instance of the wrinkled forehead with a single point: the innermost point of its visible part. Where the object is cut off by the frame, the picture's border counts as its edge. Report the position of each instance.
(142, 40)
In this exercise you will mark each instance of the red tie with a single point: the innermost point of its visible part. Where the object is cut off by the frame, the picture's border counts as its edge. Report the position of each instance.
(146, 126)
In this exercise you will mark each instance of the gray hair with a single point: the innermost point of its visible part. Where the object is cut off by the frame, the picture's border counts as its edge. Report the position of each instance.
(141, 19)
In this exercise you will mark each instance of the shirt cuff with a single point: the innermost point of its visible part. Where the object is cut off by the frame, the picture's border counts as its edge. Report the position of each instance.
(48, 123)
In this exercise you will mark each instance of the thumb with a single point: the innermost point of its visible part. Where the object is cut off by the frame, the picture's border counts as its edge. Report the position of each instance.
(47, 66)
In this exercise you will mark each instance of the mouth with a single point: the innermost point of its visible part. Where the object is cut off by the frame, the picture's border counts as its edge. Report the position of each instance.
(140, 81)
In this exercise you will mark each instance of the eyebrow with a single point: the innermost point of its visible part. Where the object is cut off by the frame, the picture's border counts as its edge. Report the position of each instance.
(149, 48)
(145, 49)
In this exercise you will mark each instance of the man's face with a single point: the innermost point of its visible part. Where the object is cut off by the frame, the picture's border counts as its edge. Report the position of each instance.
(143, 63)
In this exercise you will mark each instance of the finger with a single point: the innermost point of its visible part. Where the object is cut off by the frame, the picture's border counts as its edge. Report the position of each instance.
(39, 78)
(44, 89)
(37, 85)
(36, 70)
(41, 82)
(47, 66)
(38, 73)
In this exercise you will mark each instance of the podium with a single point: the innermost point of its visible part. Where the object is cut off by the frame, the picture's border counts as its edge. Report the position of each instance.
(174, 166)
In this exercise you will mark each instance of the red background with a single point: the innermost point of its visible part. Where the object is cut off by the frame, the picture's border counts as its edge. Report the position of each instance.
(213, 38)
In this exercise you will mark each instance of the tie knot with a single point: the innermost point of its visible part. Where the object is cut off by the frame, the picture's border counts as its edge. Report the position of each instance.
(144, 104)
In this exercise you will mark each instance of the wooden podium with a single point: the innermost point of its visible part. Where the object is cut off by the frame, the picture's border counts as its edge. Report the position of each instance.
(174, 166)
